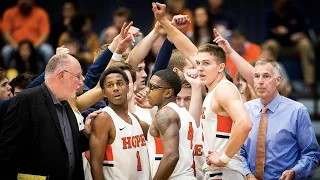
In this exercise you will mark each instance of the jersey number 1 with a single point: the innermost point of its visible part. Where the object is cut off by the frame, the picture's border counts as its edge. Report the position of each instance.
(139, 168)
(190, 134)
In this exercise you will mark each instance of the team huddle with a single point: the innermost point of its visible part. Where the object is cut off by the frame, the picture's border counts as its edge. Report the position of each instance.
(158, 133)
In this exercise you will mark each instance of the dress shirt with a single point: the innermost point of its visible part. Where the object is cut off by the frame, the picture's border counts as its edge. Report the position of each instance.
(290, 140)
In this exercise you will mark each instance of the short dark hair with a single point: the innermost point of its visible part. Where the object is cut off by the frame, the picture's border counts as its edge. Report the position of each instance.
(123, 11)
(177, 60)
(214, 50)
(237, 33)
(171, 78)
(3, 74)
(21, 81)
(112, 71)
(125, 66)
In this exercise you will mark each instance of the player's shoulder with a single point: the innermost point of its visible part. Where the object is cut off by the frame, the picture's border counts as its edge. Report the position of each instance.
(226, 90)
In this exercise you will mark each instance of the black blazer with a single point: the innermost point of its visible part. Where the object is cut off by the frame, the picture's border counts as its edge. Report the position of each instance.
(31, 140)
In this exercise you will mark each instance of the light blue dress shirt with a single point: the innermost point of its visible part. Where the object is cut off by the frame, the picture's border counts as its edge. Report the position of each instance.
(290, 139)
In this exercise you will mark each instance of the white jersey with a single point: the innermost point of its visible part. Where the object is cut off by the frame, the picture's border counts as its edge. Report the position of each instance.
(127, 157)
(143, 114)
(183, 169)
(217, 130)
(86, 164)
(198, 156)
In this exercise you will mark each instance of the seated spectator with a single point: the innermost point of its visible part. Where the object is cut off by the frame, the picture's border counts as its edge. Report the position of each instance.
(5, 88)
(20, 82)
(176, 7)
(245, 89)
(203, 27)
(26, 21)
(223, 20)
(110, 33)
(69, 10)
(26, 59)
(270, 50)
(74, 48)
(287, 26)
(248, 50)
(81, 30)
(120, 16)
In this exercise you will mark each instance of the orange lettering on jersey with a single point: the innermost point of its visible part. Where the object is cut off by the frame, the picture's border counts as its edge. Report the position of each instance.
(133, 142)
(224, 124)
(190, 134)
(197, 150)
(126, 142)
(143, 141)
(202, 113)
(138, 140)
(108, 155)
(159, 148)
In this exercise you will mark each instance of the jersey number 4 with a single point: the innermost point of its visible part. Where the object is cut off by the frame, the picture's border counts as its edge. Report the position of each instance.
(139, 168)
(190, 134)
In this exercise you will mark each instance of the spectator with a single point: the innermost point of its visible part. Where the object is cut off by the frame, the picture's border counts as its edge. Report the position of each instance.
(222, 19)
(81, 30)
(26, 59)
(203, 27)
(20, 82)
(248, 50)
(69, 10)
(245, 89)
(120, 16)
(26, 21)
(110, 33)
(270, 50)
(287, 26)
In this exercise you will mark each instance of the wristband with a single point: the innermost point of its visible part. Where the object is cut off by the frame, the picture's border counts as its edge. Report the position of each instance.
(116, 57)
(224, 158)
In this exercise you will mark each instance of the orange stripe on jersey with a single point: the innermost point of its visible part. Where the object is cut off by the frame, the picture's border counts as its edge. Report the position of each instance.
(224, 124)
(87, 154)
(159, 148)
(109, 155)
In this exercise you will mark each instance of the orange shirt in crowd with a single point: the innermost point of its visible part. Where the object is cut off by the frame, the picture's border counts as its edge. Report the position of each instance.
(252, 53)
(23, 27)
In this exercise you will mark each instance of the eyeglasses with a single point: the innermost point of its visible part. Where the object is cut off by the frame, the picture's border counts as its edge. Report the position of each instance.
(154, 86)
(75, 75)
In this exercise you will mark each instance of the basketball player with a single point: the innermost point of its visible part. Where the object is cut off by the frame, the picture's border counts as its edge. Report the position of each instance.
(170, 137)
(225, 121)
(117, 142)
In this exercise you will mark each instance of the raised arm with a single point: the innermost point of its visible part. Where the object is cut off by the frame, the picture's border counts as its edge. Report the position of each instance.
(125, 39)
(89, 98)
(141, 50)
(243, 66)
(181, 41)
(100, 133)
(165, 52)
(167, 122)
(191, 75)
(228, 98)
